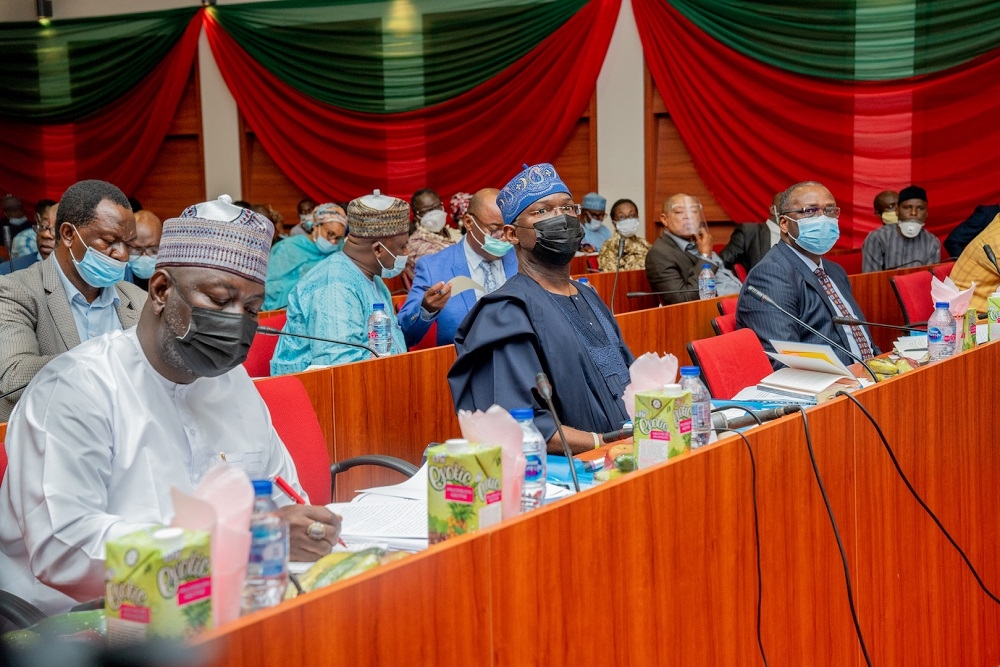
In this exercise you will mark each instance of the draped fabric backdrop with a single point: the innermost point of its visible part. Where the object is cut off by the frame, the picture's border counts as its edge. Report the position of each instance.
(754, 125)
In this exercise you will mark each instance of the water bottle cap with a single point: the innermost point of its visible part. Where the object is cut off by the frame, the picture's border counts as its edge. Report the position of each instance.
(690, 371)
(379, 306)
(707, 266)
(522, 414)
(941, 304)
(583, 281)
(673, 389)
(262, 487)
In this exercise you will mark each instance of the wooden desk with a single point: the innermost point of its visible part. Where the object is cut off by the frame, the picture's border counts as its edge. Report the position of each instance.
(628, 281)
(659, 567)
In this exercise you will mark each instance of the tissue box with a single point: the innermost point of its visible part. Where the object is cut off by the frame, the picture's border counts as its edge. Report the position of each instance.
(158, 582)
(464, 488)
(662, 425)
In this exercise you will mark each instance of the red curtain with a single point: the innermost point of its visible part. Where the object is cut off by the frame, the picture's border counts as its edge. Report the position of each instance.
(525, 114)
(753, 130)
(118, 144)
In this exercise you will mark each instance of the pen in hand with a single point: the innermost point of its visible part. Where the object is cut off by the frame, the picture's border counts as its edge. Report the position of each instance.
(299, 500)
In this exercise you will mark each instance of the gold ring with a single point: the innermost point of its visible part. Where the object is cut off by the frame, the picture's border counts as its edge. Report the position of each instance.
(316, 531)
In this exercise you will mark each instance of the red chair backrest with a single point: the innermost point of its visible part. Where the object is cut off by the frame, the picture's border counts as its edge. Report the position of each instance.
(727, 305)
(942, 271)
(258, 361)
(741, 272)
(724, 324)
(913, 291)
(429, 340)
(3, 460)
(730, 362)
(295, 421)
(850, 261)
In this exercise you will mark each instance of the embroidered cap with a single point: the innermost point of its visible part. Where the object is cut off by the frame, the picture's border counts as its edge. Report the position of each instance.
(594, 202)
(535, 182)
(325, 213)
(218, 235)
(378, 216)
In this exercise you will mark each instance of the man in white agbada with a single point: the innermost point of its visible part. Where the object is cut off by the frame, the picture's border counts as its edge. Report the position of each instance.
(104, 431)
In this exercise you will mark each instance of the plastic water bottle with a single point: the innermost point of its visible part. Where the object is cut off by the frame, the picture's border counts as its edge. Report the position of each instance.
(533, 446)
(706, 283)
(267, 571)
(379, 330)
(941, 332)
(701, 406)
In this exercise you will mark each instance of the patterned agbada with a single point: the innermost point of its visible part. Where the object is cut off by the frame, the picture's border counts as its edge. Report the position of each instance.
(974, 267)
(633, 259)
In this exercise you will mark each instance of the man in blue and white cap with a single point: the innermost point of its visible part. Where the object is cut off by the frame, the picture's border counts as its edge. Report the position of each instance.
(104, 431)
(592, 218)
(541, 321)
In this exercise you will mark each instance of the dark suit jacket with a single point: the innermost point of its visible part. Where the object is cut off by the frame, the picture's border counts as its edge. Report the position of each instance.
(670, 268)
(784, 277)
(963, 234)
(747, 246)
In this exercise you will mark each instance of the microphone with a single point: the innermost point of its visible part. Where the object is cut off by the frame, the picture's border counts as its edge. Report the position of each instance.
(614, 436)
(763, 298)
(633, 295)
(7, 241)
(618, 268)
(851, 322)
(269, 331)
(722, 423)
(990, 256)
(545, 391)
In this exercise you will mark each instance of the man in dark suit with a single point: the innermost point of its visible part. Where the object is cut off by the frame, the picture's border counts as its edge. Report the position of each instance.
(751, 240)
(963, 234)
(795, 275)
(430, 299)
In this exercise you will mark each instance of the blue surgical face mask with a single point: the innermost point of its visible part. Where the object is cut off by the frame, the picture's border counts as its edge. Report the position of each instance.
(818, 234)
(143, 266)
(327, 248)
(493, 246)
(97, 269)
(18, 221)
(398, 264)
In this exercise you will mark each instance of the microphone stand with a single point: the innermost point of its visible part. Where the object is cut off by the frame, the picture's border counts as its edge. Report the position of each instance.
(614, 287)
(851, 322)
(634, 295)
(545, 391)
(268, 331)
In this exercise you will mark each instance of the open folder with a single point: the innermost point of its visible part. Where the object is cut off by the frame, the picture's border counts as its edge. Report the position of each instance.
(813, 372)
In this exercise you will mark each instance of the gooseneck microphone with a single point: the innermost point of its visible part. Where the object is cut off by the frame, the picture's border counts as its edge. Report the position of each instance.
(852, 322)
(9, 243)
(545, 391)
(721, 422)
(990, 256)
(633, 295)
(269, 331)
(763, 298)
(618, 268)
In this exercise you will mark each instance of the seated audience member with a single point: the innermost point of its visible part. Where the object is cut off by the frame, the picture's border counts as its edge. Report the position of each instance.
(305, 208)
(43, 240)
(905, 243)
(592, 219)
(106, 430)
(885, 207)
(752, 240)
(481, 255)
(272, 214)
(430, 236)
(969, 229)
(795, 275)
(973, 266)
(683, 248)
(13, 215)
(336, 298)
(326, 228)
(78, 293)
(625, 217)
(142, 253)
(540, 320)
(24, 244)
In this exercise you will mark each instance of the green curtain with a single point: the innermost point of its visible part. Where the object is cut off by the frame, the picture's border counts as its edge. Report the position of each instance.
(394, 56)
(860, 40)
(69, 69)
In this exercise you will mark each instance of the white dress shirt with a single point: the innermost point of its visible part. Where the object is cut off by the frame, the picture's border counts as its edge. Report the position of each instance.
(476, 270)
(95, 444)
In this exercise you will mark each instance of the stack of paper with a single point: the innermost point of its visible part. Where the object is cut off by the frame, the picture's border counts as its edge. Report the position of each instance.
(397, 525)
(813, 372)
(912, 347)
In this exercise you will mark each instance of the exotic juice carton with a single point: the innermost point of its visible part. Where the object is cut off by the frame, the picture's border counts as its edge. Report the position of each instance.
(464, 483)
(158, 582)
(662, 424)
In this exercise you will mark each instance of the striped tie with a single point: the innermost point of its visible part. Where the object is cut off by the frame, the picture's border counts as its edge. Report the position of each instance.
(489, 282)
(859, 335)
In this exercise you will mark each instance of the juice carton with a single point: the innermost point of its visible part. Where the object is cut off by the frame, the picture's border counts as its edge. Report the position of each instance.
(158, 582)
(464, 483)
(969, 329)
(993, 310)
(662, 424)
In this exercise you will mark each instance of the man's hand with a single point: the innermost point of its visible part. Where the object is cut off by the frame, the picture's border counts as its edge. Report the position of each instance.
(703, 239)
(299, 518)
(436, 297)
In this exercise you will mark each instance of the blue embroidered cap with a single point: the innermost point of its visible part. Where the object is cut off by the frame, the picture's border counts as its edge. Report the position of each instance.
(594, 202)
(540, 180)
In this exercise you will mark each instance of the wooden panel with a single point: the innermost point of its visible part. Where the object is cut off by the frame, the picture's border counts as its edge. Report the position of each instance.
(577, 161)
(265, 183)
(628, 281)
(668, 329)
(187, 120)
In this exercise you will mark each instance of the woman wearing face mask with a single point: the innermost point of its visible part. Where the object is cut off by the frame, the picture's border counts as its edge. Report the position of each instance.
(297, 255)
(625, 217)
(430, 235)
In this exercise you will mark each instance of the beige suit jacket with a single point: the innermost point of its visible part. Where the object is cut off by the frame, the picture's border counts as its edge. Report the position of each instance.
(36, 323)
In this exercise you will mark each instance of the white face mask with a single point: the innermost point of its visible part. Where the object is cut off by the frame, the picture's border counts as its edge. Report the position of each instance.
(398, 264)
(909, 229)
(627, 227)
(433, 221)
(593, 225)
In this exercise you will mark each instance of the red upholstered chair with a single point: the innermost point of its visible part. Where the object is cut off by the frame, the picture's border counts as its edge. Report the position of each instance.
(730, 362)
(850, 261)
(3, 460)
(913, 291)
(295, 421)
(727, 305)
(724, 324)
(258, 361)
(942, 271)
(430, 338)
(741, 272)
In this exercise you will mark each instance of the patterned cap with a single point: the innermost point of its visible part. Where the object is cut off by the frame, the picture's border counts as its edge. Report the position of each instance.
(594, 202)
(528, 187)
(325, 213)
(218, 235)
(378, 216)
(912, 192)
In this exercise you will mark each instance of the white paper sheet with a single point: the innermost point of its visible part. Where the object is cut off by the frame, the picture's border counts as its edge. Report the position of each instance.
(819, 358)
(460, 284)
(414, 488)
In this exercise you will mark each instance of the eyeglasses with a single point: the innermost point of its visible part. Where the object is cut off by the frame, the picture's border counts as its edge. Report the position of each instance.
(151, 251)
(810, 211)
(552, 211)
(41, 229)
(495, 233)
(425, 211)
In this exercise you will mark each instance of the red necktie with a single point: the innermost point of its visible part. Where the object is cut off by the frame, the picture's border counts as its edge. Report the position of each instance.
(859, 335)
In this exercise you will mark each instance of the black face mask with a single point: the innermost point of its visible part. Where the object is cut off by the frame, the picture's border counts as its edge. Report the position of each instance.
(557, 239)
(215, 342)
